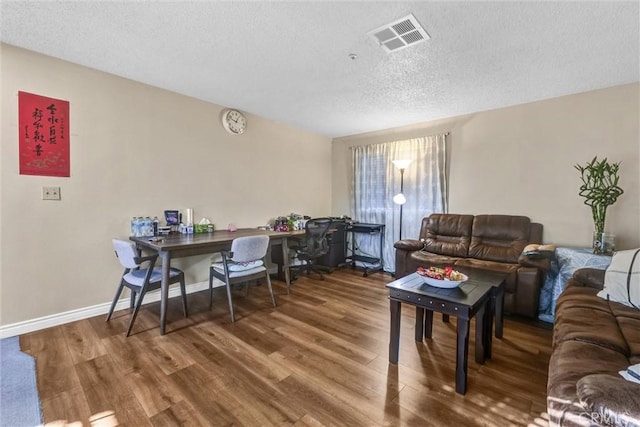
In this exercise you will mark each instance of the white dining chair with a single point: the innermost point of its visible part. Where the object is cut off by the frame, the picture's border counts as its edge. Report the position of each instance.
(245, 261)
(140, 276)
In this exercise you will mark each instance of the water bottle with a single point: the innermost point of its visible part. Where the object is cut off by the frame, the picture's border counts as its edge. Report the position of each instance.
(139, 227)
(156, 222)
(147, 227)
(134, 226)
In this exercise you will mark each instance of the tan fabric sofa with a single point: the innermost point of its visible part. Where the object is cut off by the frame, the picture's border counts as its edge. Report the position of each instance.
(489, 242)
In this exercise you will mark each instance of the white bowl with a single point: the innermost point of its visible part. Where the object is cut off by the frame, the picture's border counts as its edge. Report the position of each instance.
(447, 284)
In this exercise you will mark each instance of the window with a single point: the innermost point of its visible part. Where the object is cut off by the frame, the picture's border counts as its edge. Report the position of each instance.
(376, 180)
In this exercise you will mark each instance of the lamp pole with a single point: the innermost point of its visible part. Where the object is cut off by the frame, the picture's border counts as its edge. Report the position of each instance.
(401, 192)
(399, 198)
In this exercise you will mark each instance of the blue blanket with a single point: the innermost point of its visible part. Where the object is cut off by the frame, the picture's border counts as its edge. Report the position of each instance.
(567, 261)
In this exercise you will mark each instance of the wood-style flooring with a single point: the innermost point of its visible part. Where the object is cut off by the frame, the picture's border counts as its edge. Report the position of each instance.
(319, 359)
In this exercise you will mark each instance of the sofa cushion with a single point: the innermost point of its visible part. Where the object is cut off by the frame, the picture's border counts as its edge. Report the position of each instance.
(570, 362)
(580, 316)
(499, 238)
(448, 234)
(427, 259)
(612, 399)
(622, 279)
(587, 276)
(629, 322)
(510, 269)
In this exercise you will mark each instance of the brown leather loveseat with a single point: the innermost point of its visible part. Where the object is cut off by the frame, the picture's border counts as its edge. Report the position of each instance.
(593, 340)
(489, 242)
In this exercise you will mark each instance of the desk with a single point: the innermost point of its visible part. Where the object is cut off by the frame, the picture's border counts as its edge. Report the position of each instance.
(466, 301)
(184, 245)
(364, 228)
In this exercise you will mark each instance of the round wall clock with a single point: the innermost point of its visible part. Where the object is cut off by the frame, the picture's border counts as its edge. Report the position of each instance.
(234, 122)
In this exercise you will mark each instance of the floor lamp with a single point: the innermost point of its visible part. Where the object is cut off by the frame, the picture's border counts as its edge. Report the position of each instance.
(399, 198)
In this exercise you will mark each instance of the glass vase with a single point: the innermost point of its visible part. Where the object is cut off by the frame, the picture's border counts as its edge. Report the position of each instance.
(603, 243)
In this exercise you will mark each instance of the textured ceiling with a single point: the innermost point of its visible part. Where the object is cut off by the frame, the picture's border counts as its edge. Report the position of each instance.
(289, 61)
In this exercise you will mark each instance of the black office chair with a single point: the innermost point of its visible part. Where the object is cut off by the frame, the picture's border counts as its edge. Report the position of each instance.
(315, 245)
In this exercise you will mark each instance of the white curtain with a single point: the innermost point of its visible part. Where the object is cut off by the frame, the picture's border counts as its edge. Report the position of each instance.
(376, 180)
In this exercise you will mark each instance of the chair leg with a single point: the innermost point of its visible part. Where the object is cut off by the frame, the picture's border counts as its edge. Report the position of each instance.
(115, 301)
(135, 311)
(233, 318)
(273, 298)
(312, 268)
(132, 300)
(317, 270)
(210, 288)
(183, 290)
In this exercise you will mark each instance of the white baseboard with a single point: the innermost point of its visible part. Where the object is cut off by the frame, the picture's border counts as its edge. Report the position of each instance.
(27, 326)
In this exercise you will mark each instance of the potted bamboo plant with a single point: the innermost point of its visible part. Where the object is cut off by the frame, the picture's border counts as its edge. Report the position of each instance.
(600, 190)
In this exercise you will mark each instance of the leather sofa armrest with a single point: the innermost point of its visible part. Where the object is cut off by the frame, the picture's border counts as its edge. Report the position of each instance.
(404, 248)
(589, 277)
(409, 245)
(542, 263)
(527, 293)
(611, 398)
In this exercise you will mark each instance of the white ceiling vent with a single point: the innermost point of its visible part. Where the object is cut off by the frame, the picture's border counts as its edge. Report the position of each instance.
(400, 34)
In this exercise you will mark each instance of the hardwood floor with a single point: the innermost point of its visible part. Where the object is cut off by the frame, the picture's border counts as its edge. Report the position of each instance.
(320, 358)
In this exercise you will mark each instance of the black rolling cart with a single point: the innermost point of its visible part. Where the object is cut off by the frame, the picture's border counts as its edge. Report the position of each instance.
(353, 257)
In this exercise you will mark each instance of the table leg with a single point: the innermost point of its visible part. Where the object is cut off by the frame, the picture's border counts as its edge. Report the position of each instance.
(164, 289)
(285, 264)
(488, 332)
(394, 335)
(481, 331)
(428, 324)
(419, 323)
(499, 311)
(488, 327)
(462, 355)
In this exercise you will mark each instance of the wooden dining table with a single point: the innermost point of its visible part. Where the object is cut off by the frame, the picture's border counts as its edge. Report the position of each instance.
(177, 245)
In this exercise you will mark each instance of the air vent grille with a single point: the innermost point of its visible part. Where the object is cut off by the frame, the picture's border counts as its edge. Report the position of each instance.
(399, 34)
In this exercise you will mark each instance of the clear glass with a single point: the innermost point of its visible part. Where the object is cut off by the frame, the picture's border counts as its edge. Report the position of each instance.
(604, 243)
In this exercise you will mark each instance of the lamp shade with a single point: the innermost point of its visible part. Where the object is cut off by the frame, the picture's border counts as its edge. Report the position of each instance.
(401, 164)
(399, 199)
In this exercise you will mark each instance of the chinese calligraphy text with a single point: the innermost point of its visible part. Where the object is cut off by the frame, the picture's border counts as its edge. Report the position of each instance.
(43, 135)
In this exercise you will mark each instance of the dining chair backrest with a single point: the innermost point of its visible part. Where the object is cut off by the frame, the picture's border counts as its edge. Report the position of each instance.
(126, 253)
(250, 248)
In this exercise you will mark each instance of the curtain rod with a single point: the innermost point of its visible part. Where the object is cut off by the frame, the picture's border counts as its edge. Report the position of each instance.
(366, 145)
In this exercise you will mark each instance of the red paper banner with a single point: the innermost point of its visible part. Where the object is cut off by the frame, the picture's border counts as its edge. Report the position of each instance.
(43, 135)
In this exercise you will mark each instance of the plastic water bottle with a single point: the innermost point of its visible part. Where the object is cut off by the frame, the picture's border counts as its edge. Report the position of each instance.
(139, 227)
(147, 227)
(156, 222)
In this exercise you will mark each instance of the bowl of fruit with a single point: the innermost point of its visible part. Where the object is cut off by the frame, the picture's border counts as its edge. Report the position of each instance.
(445, 277)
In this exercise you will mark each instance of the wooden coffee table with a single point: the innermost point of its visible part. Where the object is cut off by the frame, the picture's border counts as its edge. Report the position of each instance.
(497, 280)
(472, 298)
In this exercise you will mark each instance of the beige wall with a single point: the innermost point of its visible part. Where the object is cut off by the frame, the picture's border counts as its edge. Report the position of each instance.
(519, 160)
(135, 150)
